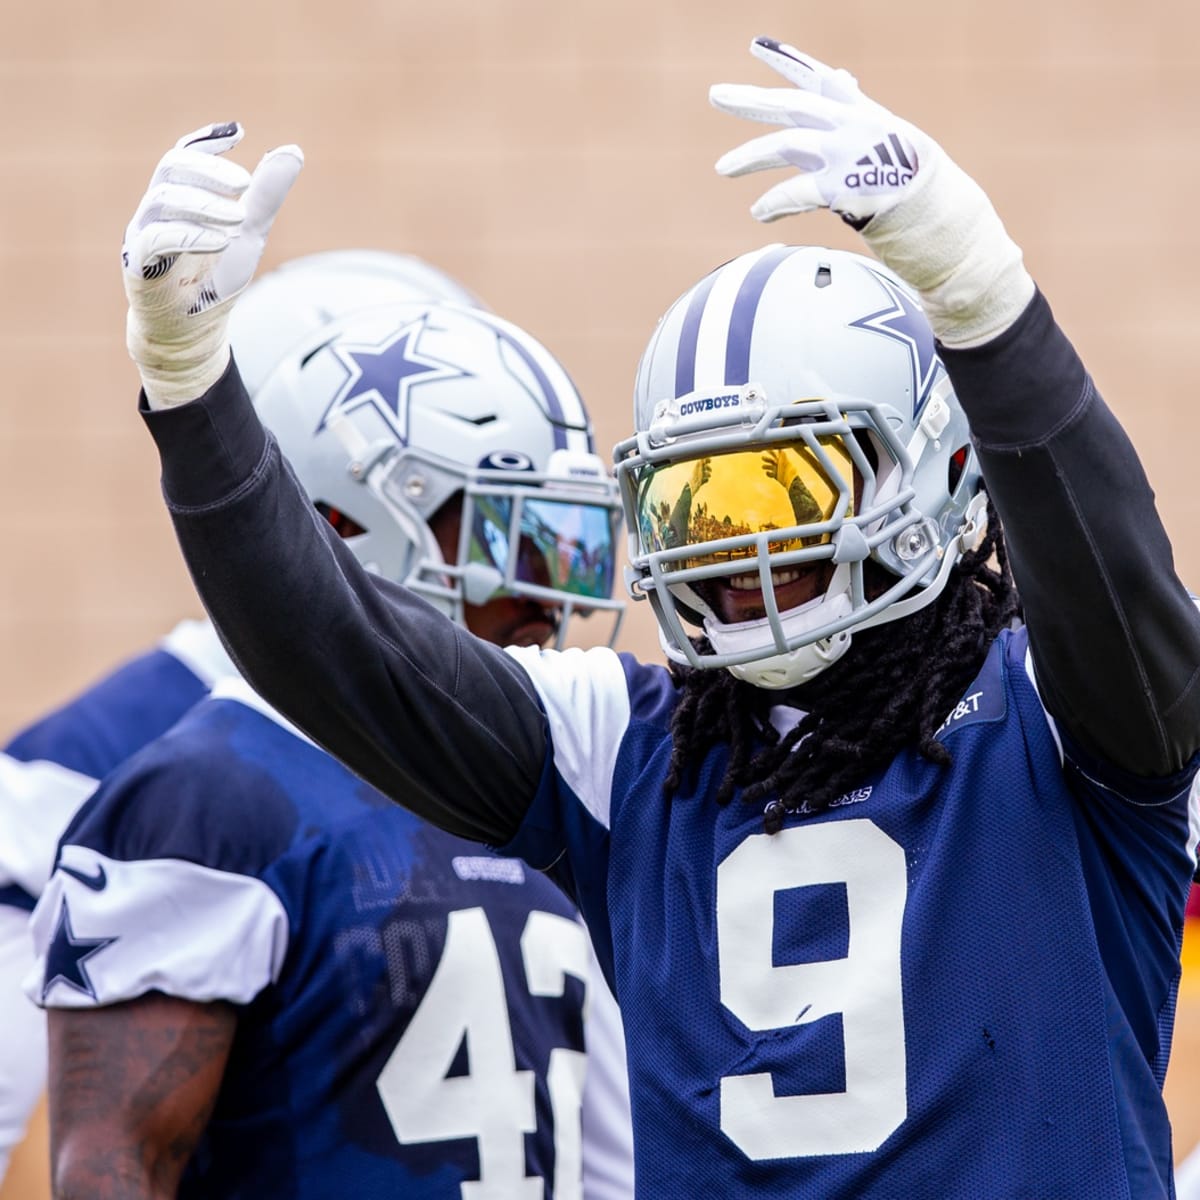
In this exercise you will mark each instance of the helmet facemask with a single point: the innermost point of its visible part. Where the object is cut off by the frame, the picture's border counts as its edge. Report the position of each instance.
(549, 537)
(803, 489)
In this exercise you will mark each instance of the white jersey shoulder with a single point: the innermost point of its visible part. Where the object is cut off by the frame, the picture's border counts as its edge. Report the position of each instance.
(197, 646)
(107, 930)
(586, 700)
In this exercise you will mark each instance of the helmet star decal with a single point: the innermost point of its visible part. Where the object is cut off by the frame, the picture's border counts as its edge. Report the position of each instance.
(66, 959)
(903, 321)
(382, 375)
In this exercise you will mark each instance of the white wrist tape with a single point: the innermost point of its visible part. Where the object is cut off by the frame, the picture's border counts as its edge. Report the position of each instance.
(186, 354)
(193, 244)
(946, 240)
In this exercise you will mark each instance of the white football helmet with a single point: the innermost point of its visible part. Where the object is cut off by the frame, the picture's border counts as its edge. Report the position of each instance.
(791, 410)
(390, 411)
(285, 306)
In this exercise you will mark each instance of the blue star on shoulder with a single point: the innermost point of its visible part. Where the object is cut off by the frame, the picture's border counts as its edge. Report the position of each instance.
(66, 959)
(904, 322)
(383, 375)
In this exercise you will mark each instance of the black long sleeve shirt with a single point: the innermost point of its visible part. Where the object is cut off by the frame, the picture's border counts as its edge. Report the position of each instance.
(415, 704)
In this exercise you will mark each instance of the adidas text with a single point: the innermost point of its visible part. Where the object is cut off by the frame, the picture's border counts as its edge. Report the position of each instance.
(878, 177)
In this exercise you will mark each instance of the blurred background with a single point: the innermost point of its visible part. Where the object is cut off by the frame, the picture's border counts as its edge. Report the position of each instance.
(557, 159)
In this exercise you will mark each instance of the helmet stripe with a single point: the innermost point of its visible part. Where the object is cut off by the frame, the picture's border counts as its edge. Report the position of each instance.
(549, 392)
(689, 335)
(741, 321)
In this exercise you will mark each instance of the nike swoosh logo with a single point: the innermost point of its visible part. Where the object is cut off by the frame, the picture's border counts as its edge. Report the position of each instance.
(97, 882)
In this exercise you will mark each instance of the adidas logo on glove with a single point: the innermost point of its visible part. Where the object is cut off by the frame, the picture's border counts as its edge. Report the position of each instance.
(886, 167)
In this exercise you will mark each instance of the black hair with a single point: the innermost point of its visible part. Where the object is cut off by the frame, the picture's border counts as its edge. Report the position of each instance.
(893, 688)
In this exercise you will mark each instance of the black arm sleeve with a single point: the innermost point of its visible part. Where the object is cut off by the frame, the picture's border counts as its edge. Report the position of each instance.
(437, 719)
(1114, 635)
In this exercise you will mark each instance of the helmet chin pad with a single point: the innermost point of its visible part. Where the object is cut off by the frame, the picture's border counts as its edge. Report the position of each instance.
(790, 668)
(783, 671)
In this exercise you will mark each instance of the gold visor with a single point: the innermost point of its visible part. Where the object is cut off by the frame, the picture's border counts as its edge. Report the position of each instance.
(741, 493)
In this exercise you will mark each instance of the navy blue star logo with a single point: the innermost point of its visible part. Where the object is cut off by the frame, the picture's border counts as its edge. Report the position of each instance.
(383, 375)
(903, 321)
(66, 960)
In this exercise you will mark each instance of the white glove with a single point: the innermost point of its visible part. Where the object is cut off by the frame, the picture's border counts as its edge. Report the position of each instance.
(192, 246)
(917, 210)
(854, 156)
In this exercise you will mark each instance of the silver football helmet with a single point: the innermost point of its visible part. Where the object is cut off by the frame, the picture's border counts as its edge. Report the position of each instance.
(794, 423)
(285, 306)
(389, 412)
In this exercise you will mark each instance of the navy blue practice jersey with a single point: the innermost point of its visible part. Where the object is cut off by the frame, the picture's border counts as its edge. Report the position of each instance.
(842, 1010)
(49, 768)
(411, 1006)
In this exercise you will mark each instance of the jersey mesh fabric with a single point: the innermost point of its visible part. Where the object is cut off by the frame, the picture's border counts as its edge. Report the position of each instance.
(1009, 1063)
(368, 890)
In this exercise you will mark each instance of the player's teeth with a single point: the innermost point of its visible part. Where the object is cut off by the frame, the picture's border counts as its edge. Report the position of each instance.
(749, 582)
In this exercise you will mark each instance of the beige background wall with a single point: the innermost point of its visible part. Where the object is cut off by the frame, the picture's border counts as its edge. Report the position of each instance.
(556, 157)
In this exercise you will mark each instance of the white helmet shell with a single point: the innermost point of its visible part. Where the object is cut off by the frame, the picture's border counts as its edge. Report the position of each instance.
(282, 308)
(388, 412)
(792, 345)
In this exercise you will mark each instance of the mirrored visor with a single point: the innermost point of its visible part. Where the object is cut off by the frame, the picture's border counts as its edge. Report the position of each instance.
(744, 492)
(563, 545)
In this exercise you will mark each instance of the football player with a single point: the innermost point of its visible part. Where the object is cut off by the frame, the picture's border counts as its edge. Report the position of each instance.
(46, 772)
(378, 924)
(50, 767)
(890, 889)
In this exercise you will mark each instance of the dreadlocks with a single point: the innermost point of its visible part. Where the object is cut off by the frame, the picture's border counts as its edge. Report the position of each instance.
(893, 688)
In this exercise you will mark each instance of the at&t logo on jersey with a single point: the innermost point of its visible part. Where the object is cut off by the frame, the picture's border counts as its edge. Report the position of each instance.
(981, 703)
(966, 707)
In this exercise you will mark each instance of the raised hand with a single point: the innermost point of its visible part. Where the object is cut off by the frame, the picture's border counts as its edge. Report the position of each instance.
(917, 210)
(193, 244)
(776, 465)
(853, 156)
